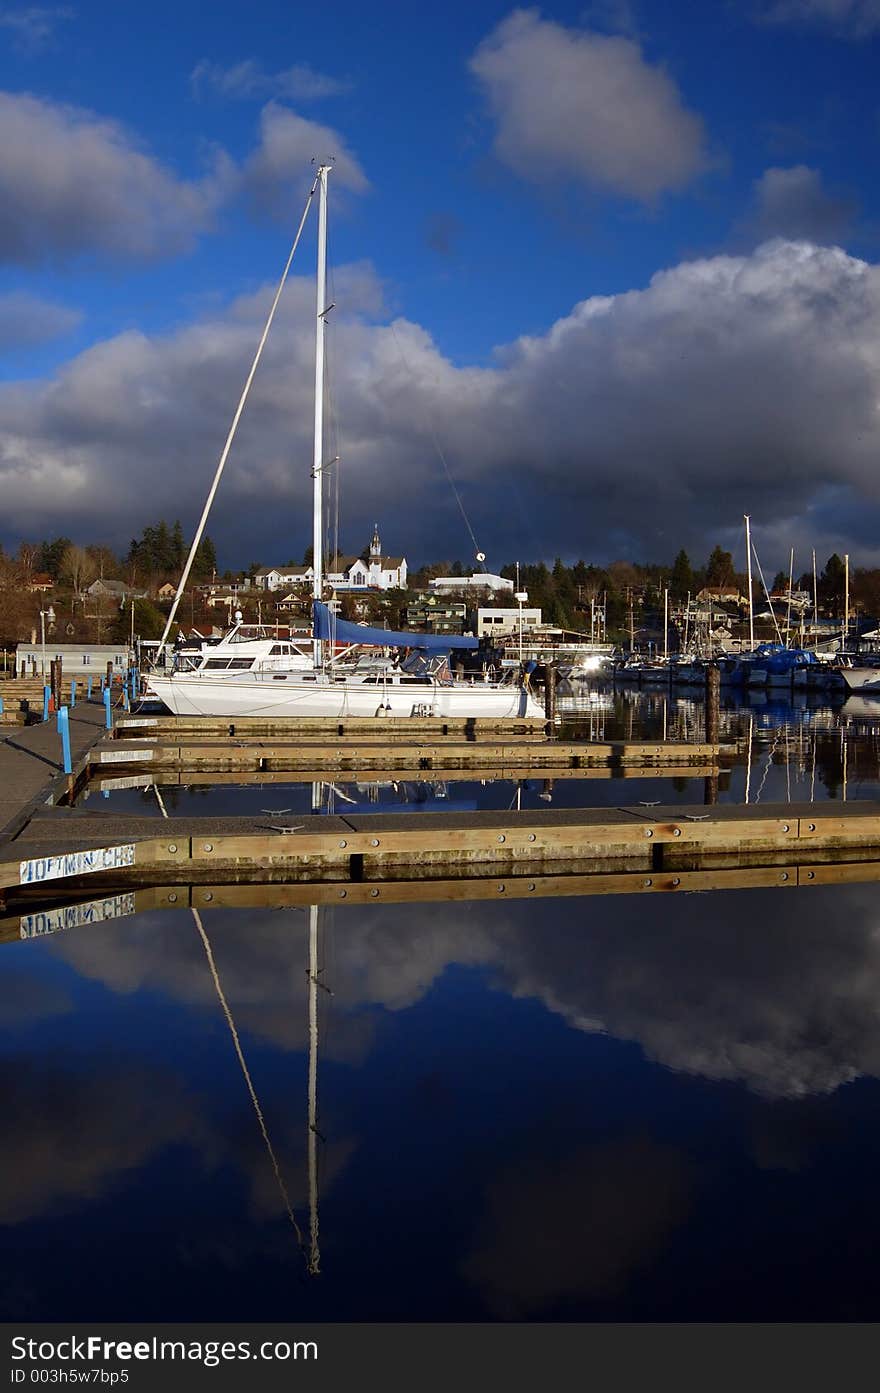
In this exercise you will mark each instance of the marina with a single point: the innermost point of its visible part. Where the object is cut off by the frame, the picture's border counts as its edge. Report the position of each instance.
(439, 683)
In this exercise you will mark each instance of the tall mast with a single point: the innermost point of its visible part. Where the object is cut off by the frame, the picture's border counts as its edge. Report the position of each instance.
(815, 602)
(790, 582)
(318, 464)
(846, 600)
(747, 519)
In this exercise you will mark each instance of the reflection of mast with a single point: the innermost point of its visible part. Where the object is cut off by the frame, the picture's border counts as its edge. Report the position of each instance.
(247, 1078)
(314, 1251)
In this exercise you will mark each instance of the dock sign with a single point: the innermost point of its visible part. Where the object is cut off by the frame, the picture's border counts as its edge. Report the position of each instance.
(103, 858)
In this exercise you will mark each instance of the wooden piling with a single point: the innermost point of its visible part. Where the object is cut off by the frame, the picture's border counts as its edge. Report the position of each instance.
(713, 721)
(550, 692)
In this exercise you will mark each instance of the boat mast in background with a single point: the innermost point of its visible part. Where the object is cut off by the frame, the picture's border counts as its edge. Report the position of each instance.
(321, 309)
(747, 519)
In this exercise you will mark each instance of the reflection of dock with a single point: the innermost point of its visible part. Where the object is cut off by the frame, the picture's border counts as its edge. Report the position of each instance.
(315, 757)
(627, 878)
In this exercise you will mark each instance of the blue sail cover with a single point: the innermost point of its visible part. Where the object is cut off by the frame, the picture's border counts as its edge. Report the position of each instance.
(343, 631)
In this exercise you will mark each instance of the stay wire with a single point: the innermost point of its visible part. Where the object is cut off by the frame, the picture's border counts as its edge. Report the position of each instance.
(430, 425)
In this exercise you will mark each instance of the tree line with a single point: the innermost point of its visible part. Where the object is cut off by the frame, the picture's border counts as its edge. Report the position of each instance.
(158, 554)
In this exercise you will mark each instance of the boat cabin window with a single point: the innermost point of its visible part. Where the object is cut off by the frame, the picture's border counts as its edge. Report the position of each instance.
(241, 662)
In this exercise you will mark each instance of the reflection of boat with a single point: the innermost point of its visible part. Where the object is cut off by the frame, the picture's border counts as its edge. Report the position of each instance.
(419, 684)
(862, 707)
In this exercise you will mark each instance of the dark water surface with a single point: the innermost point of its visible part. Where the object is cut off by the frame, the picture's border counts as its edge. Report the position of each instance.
(580, 1109)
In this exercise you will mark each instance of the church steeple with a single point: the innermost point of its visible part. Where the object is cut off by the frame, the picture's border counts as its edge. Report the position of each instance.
(375, 545)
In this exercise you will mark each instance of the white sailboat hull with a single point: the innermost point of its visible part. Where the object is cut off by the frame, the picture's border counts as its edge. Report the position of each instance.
(862, 679)
(297, 695)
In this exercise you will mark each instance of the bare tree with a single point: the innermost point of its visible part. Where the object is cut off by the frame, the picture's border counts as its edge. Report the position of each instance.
(77, 567)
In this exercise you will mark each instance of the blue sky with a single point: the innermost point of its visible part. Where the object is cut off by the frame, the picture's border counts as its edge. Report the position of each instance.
(497, 168)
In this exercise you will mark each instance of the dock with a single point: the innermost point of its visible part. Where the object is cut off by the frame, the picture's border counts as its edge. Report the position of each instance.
(58, 860)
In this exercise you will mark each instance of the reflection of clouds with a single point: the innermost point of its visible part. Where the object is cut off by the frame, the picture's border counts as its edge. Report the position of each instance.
(26, 998)
(555, 1232)
(68, 1136)
(71, 1137)
(378, 957)
(780, 991)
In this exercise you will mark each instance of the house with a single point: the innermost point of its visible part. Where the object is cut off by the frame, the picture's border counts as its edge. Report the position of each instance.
(118, 589)
(167, 591)
(721, 594)
(506, 621)
(41, 582)
(482, 580)
(278, 577)
(436, 616)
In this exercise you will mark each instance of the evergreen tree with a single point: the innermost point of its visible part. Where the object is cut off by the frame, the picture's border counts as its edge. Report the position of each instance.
(178, 548)
(51, 555)
(832, 585)
(719, 568)
(681, 582)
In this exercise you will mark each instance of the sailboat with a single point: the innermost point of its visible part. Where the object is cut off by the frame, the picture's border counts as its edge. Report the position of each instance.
(417, 681)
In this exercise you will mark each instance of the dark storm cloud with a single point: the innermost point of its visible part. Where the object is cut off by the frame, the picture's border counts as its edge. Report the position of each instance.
(638, 423)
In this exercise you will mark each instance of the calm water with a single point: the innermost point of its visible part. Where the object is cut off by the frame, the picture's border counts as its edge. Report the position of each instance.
(583, 1109)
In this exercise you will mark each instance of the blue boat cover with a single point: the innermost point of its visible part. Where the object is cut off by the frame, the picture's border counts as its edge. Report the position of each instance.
(328, 626)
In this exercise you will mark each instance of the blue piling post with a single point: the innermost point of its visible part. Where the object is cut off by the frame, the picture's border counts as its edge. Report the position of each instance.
(89, 688)
(126, 704)
(72, 692)
(108, 719)
(47, 692)
(1, 706)
(63, 719)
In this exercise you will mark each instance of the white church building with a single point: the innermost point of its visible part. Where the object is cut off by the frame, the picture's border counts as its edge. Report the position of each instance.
(344, 573)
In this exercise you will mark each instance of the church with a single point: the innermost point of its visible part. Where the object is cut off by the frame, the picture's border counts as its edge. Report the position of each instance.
(377, 573)
(343, 573)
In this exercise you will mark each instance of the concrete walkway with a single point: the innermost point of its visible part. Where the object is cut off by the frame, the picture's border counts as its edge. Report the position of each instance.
(30, 760)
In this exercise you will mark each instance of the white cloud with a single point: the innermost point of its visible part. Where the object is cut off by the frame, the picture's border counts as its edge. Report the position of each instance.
(276, 172)
(248, 79)
(573, 105)
(850, 19)
(33, 28)
(26, 320)
(794, 203)
(637, 424)
(95, 192)
(93, 189)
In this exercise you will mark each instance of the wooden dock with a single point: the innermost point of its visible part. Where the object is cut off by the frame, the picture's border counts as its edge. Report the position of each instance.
(58, 852)
(253, 746)
(55, 859)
